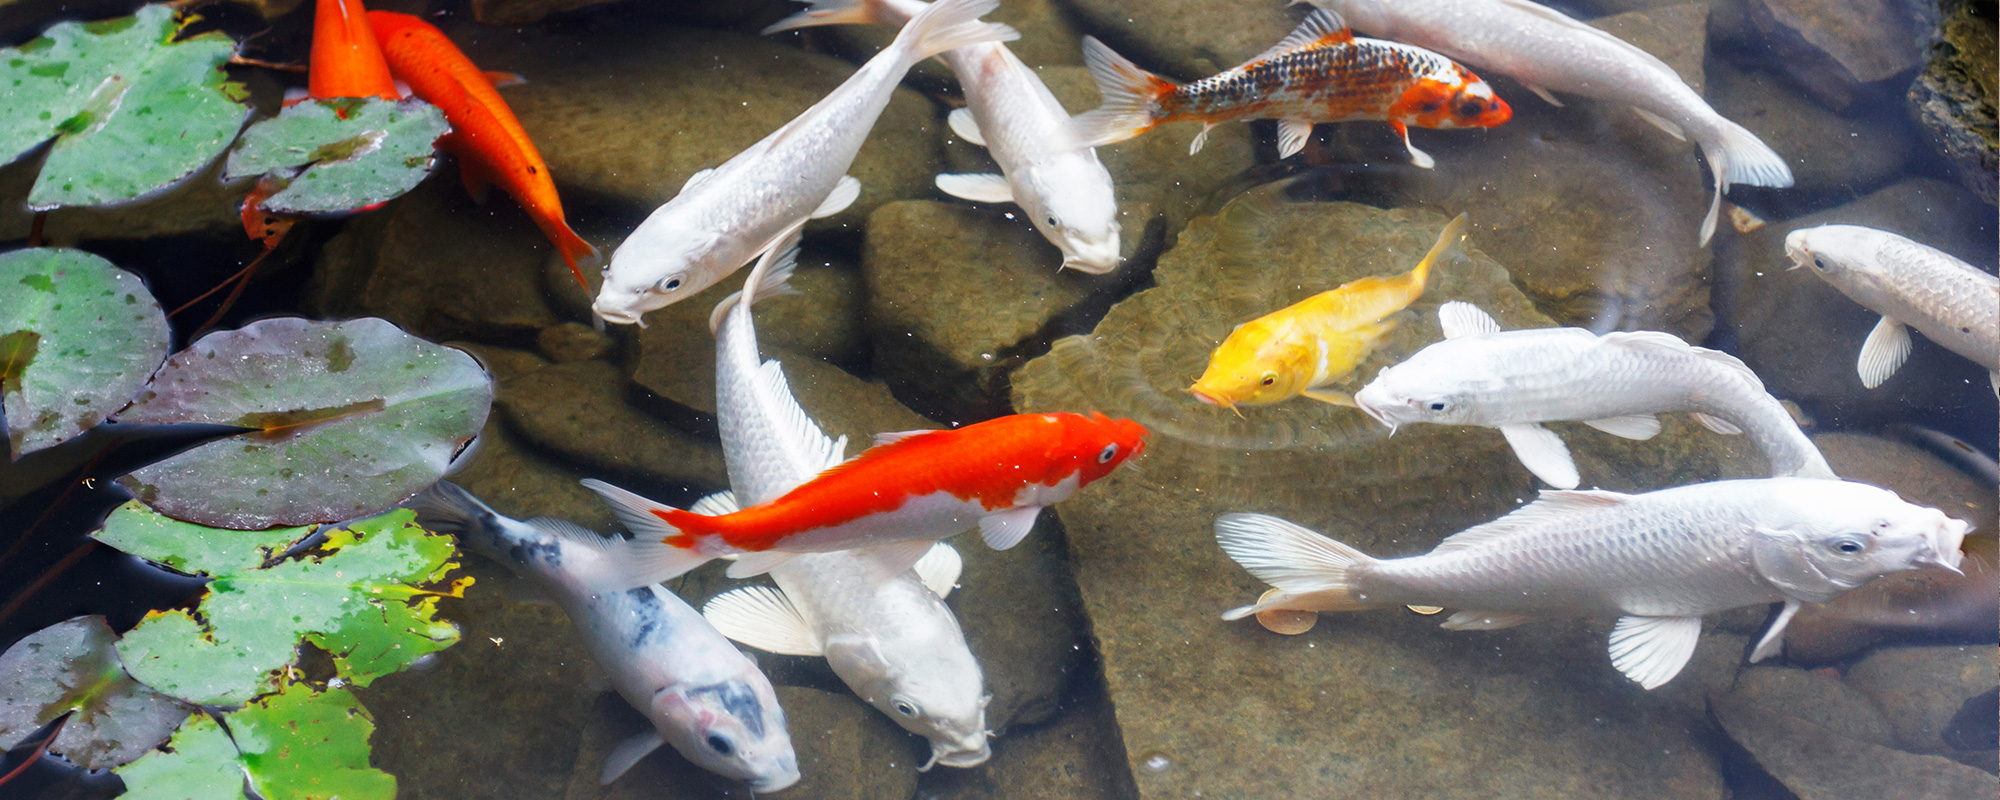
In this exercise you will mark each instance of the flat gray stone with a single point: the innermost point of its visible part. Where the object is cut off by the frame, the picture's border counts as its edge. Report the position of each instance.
(1835, 49)
(1920, 688)
(1817, 764)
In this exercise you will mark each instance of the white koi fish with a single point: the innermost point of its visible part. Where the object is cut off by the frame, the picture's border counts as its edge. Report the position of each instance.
(1516, 380)
(887, 634)
(702, 695)
(1954, 303)
(1064, 190)
(725, 216)
(1549, 51)
(1658, 560)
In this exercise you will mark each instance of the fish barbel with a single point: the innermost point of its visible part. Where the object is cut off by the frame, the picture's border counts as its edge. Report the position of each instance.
(1064, 190)
(1547, 50)
(725, 216)
(1616, 382)
(1658, 560)
(702, 695)
(1319, 73)
(1912, 285)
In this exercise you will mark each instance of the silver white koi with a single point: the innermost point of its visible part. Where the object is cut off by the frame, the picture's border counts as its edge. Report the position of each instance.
(702, 695)
(1616, 382)
(1912, 285)
(1658, 560)
(725, 216)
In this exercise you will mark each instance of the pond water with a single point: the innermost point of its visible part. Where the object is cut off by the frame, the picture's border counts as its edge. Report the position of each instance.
(1111, 671)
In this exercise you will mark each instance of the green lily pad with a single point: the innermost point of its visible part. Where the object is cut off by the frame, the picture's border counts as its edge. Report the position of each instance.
(295, 745)
(72, 666)
(78, 338)
(356, 151)
(132, 110)
(357, 416)
(190, 548)
(359, 596)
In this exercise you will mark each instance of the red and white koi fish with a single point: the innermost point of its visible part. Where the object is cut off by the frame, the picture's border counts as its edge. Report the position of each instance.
(1320, 73)
(897, 498)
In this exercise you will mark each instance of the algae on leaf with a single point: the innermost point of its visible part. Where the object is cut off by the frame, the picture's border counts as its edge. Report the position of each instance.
(131, 110)
(297, 744)
(355, 151)
(72, 666)
(359, 595)
(78, 337)
(355, 417)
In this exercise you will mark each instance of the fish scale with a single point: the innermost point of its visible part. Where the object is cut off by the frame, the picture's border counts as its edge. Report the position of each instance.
(1324, 82)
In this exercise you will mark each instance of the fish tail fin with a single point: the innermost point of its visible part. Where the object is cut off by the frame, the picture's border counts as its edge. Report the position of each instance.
(449, 509)
(1735, 155)
(1131, 98)
(1815, 465)
(648, 558)
(1311, 572)
(948, 25)
(576, 252)
(838, 12)
(1450, 239)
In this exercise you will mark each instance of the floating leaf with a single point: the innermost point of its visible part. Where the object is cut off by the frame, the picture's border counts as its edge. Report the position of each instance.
(358, 597)
(357, 415)
(190, 548)
(294, 745)
(131, 109)
(78, 338)
(72, 666)
(357, 152)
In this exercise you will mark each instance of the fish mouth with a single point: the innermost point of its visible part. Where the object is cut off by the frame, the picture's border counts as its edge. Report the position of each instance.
(1375, 414)
(1796, 249)
(1944, 549)
(1214, 400)
(773, 783)
(1094, 264)
(616, 316)
(959, 756)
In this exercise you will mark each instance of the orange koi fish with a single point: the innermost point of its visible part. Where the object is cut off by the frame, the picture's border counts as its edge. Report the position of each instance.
(897, 498)
(1320, 73)
(346, 61)
(488, 140)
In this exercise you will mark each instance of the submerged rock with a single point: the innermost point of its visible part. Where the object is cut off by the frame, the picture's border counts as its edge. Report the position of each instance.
(1825, 151)
(1954, 96)
(525, 12)
(1818, 764)
(1075, 757)
(1920, 688)
(1835, 49)
(847, 749)
(1186, 39)
(200, 205)
(1815, 697)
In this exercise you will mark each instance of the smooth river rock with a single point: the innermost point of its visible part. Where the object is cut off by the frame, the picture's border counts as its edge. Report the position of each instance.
(1819, 764)
(1920, 688)
(1836, 49)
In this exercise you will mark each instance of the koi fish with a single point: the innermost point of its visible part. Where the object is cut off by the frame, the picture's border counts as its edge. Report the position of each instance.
(896, 498)
(702, 695)
(346, 61)
(1516, 380)
(1911, 285)
(1659, 560)
(1320, 73)
(725, 216)
(489, 142)
(1546, 49)
(1065, 191)
(1301, 348)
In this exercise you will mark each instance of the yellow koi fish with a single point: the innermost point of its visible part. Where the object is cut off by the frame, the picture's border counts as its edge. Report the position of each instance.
(1299, 349)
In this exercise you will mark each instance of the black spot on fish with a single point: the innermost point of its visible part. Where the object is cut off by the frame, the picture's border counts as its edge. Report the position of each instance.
(741, 703)
(647, 609)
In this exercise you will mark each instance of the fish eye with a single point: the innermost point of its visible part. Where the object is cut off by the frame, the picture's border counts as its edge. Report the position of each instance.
(1437, 405)
(1052, 221)
(1269, 379)
(1431, 106)
(1849, 544)
(1819, 264)
(907, 708)
(670, 284)
(1471, 108)
(720, 745)
(1109, 452)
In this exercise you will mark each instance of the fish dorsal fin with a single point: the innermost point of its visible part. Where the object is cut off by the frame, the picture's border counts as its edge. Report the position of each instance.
(1460, 318)
(1551, 506)
(939, 569)
(1652, 650)
(977, 187)
(502, 80)
(764, 618)
(821, 452)
(697, 179)
(718, 504)
(1320, 27)
(1557, 17)
(573, 533)
(629, 752)
(1642, 340)
(1004, 529)
(892, 437)
(965, 126)
(752, 564)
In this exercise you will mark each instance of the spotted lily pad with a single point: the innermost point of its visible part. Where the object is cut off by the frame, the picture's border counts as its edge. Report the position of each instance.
(356, 152)
(78, 337)
(131, 110)
(356, 416)
(72, 666)
(298, 744)
(359, 595)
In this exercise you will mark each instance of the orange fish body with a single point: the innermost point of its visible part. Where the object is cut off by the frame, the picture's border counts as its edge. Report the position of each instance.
(346, 61)
(488, 140)
(1320, 73)
(905, 493)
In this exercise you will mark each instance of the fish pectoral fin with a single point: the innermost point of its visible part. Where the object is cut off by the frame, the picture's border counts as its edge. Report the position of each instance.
(697, 179)
(965, 126)
(1544, 94)
(1543, 453)
(1418, 158)
(718, 504)
(1630, 426)
(629, 752)
(764, 618)
(1292, 136)
(1004, 529)
(477, 185)
(939, 569)
(979, 188)
(1661, 123)
(502, 80)
(842, 196)
(1652, 650)
(1200, 139)
(1887, 347)
(1460, 318)
(1332, 396)
(1484, 620)
(1717, 424)
(758, 563)
(1774, 639)
(891, 560)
